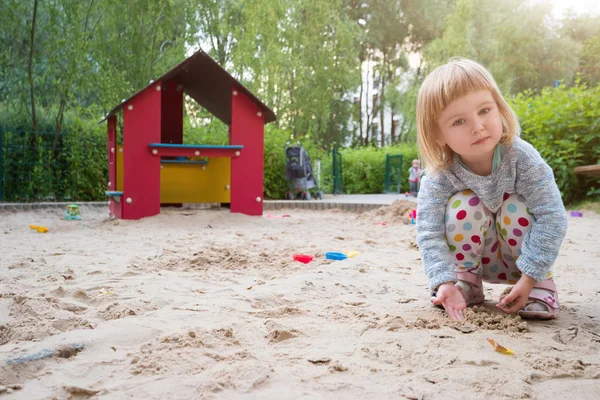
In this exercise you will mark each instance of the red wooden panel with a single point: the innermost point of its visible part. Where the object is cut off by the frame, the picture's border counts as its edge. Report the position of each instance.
(172, 113)
(247, 170)
(114, 206)
(141, 170)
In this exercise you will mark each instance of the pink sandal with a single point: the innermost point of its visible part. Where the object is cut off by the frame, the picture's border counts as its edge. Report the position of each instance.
(543, 293)
(473, 296)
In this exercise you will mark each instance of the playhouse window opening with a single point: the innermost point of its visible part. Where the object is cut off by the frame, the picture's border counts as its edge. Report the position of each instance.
(201, 127)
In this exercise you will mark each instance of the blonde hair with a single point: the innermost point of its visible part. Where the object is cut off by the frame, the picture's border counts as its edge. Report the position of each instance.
(448, 82)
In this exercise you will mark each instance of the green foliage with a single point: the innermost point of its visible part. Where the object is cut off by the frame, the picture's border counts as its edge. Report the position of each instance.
(364, 168)
(590, 60)
(585, 30)
(299, 57)
(74, 168)
(404, 101)
(302, 58)
(275, 184)
(212, 131)
(518, 41)
(86, 53)
(457, 39)
(563, 124)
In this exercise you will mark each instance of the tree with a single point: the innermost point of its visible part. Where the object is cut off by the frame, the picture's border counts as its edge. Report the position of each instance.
(317, 63)
(585, 30)
(297, 56)
(30, 70)
(391, 31)
(589, 65)
(387, 33)
(520, 43)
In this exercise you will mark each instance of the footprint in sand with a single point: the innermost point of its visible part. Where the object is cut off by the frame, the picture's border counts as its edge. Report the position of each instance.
(558, 367)
(82, 295)
(278, 333)
(34, 318)
(117, 310)
(565, 336)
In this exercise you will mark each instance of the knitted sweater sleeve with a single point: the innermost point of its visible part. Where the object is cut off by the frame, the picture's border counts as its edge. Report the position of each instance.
(431, 230)
(541, 244)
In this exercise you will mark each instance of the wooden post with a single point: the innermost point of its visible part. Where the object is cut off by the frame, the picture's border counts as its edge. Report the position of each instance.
(114, 206)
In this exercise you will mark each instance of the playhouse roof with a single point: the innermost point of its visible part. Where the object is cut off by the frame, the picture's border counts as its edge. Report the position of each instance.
(209, 84)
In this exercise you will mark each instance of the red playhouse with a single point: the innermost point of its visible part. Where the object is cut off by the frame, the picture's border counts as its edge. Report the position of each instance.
(154, 167)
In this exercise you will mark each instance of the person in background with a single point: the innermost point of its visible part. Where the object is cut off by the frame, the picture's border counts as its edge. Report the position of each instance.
(415, 174)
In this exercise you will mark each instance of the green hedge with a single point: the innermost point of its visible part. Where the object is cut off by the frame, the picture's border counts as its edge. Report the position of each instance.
(364, 168)
(72, 167)
(563, 124)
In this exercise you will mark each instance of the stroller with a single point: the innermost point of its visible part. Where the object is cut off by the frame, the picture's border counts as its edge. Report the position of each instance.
(299, 173)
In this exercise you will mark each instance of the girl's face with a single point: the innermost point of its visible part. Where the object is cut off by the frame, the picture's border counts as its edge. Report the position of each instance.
(471, 126)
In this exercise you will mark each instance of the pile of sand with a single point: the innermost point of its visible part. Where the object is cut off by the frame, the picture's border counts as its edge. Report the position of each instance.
(397, 212)
(37, 317)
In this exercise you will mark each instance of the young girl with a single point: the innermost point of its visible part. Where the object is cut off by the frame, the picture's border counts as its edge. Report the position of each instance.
(489, 208)
(415, 173)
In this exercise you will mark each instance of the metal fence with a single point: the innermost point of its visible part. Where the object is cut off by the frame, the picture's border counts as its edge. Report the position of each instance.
(68, 168)
(393, 173)
(338, 182)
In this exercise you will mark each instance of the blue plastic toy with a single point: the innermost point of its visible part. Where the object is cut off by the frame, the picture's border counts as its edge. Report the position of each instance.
(333, 255)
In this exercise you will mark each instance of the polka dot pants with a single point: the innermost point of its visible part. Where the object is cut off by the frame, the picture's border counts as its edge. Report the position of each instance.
(484, 243)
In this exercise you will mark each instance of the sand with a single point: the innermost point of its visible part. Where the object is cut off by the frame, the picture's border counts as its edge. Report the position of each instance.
(197, 304)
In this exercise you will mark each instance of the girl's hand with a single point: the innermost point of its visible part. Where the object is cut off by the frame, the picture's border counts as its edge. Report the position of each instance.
(452, 300)
(517, 298)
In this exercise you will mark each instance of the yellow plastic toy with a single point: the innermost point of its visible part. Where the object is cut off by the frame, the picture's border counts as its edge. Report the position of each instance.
(39, 228)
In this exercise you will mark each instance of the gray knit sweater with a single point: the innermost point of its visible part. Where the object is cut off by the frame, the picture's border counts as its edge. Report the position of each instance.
(521, 171)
